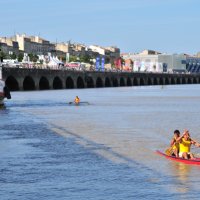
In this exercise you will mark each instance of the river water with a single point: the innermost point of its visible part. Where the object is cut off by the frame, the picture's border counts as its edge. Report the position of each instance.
(103, 149)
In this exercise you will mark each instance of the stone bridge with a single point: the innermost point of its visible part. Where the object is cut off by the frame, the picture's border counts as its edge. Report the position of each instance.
(44, 79)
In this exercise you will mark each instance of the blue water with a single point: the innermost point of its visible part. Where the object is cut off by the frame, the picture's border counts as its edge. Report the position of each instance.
(103, 149)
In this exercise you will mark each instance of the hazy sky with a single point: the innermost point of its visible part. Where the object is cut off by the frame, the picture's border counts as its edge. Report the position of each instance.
(171, 26)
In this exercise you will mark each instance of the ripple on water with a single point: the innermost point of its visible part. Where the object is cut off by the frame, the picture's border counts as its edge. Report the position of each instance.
(49, 150)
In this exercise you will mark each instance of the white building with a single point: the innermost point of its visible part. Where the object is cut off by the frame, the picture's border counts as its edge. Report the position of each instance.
(152, 61)
(97, 49)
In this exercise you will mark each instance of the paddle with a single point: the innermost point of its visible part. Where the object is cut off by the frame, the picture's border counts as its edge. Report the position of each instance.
(168, 151)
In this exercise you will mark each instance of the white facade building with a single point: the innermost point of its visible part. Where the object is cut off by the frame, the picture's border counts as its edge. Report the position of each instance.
(97, 49)
(157, 62)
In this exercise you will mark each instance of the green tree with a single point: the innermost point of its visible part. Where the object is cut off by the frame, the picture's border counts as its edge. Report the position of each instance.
(30, 55)
(63, 59)
(2, 55)
(72, 58)
(85, 58)
(20, 57)
(13, 56)
(33, 57)
(107, 60)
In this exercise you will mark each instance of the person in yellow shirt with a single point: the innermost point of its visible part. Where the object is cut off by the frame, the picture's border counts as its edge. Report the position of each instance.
(174, 144)
(185, 142)
(77, 100)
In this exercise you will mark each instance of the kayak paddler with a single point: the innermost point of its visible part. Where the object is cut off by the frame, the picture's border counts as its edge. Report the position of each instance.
(77, 100)
(185, 142)
(174, 144)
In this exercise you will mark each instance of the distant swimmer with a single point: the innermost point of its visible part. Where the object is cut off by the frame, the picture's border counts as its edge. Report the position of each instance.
(77, 100)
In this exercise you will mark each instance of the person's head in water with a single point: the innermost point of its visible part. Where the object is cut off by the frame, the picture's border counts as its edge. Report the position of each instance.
(176, 133)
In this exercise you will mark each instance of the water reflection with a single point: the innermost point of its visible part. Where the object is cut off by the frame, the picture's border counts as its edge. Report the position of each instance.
(182, 172)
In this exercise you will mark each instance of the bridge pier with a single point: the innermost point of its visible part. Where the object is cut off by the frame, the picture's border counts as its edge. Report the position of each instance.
(75, 84)
(20, 83)
(51, 84)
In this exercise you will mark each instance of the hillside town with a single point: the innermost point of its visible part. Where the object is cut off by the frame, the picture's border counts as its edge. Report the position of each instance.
(26, 51)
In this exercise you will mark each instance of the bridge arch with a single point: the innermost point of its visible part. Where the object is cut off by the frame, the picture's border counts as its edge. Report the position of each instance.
(69, 83)
(142, 81)
(179, 81)
(99, 82)
(115, 82)
(107, 82)
(89, 82)
(57, 83)
(122, 82)
(161, 81)
(28, 83)
(80, 82)
(155, 81)
(167, 81)
(173, 81)
(44, 83)
(195, 80)
(190, 81)
(129, 83)
(136, 81)
(149, 81)
(12, 83)
(184, 81)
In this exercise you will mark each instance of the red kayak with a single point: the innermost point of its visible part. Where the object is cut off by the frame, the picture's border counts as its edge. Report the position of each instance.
(195, 161)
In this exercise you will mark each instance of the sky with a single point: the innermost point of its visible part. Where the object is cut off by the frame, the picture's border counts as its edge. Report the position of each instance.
(167, 26)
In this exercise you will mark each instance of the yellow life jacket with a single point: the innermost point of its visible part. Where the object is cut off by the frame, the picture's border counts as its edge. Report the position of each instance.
(176, 146)
(185, 145)
(77, 100)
